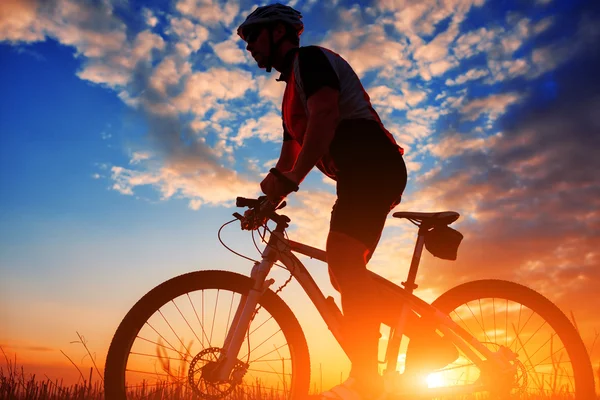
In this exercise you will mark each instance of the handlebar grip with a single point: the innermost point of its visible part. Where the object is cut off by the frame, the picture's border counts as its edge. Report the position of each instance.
(244, 202)
(290, 185)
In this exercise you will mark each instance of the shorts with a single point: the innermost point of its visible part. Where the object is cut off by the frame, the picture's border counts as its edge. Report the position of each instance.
(371, 176)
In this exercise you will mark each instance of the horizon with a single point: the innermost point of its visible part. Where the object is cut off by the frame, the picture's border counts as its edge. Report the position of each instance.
(129, 127)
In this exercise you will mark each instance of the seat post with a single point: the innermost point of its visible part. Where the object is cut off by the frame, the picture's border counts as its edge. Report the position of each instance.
(410, 284)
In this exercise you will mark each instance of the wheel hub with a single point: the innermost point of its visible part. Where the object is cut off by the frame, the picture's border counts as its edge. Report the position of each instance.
(202, 375)
(514, 378)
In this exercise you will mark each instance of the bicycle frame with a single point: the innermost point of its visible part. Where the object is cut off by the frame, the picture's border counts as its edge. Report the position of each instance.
(410, 307)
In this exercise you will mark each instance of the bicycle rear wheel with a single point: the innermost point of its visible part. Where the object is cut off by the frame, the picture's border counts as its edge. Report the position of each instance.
(169, 340)
(552, 361)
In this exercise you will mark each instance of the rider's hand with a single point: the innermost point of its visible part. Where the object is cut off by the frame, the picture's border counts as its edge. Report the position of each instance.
(274, 188)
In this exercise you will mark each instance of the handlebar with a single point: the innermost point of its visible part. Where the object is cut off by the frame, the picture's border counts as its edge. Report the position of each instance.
(262, 208)
(249, 203)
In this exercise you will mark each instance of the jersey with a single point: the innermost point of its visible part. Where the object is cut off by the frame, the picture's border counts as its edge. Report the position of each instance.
(308, 69)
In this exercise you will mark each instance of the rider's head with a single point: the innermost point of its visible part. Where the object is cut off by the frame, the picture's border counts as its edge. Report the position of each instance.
(267, 28)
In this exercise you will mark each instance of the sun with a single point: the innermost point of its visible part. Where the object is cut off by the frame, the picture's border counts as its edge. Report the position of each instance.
(435, 379)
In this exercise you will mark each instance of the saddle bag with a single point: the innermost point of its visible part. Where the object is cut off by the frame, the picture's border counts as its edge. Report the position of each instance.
(443, 242)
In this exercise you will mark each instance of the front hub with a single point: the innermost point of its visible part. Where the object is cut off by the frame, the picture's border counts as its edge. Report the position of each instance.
(203, 371)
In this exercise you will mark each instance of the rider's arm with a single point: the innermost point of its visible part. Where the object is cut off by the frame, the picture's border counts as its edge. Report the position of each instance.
(289, 154)
(323, 114)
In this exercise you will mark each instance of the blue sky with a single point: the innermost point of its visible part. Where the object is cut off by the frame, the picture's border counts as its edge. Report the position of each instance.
(127, 129)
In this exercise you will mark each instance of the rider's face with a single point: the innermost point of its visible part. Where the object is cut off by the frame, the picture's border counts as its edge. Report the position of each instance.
(257, 41)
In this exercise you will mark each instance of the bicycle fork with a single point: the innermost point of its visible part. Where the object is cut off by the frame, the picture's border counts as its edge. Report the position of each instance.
(244, 314)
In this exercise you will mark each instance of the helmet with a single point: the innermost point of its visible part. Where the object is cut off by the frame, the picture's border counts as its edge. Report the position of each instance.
(273, 13)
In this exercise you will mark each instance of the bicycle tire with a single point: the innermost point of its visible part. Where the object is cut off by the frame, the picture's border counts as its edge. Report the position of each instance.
(188, 285)
(509, 293)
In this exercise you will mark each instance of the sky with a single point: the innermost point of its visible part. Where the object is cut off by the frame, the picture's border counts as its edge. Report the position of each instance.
(127, 129)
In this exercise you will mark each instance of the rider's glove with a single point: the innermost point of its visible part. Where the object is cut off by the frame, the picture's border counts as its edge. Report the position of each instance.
(277, 186)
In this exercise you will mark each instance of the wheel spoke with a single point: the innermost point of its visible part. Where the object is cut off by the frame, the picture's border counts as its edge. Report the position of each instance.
(214, 317)
(166, 355)
(506, 325)
(521, 328)
(267, 354)
(542, 346)
(546, 360)
(171, 347)
(200, 322)
(476, 320)
(229, 314)
(483, 322)
(174, 333)
(185, 319)
(263, 342)
(494, 312)
(464, 323)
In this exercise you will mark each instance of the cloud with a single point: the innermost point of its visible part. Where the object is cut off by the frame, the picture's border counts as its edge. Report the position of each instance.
(138, 156)
(529, 197)
(155, 75)
(13, 347)
(505, 70)
(168, 74)
(455, 144)
(149, 17)
(267, 128)
(92, 28)
(494, 106)
(418, 20)
(199, 186)
(270, 90)
(470, 75)
(473, 42)
(65, 20)
(209, 12)
(202, 89)
(433, 58)
(190, 34)
(229, 51)
(18, 21)
(310, 211)
(387, 99)
(368, 48)
(421, 17)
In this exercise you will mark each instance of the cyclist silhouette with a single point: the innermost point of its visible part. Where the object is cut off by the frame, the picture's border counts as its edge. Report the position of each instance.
(329, 122)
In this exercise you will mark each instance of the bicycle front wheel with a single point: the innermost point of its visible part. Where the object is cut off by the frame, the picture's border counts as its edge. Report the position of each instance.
(167, 343)
(551, 359)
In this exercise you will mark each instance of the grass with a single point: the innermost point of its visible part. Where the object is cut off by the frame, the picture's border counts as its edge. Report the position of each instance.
(16, 384)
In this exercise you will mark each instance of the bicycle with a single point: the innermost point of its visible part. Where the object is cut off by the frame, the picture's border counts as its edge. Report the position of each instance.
(231, 336)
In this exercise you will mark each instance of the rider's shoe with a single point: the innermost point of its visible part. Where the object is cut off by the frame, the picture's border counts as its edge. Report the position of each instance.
(351, 390)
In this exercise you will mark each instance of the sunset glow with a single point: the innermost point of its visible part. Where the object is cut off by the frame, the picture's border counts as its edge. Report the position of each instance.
(435, 380)
(128, 128)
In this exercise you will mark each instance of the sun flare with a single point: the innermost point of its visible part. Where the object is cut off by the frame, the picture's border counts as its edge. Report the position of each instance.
(435, 379)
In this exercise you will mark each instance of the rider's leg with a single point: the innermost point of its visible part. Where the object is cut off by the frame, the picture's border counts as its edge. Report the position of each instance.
(346, 257)
(371, 177)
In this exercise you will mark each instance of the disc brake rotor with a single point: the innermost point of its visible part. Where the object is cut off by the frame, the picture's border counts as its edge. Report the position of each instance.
(201, 368)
